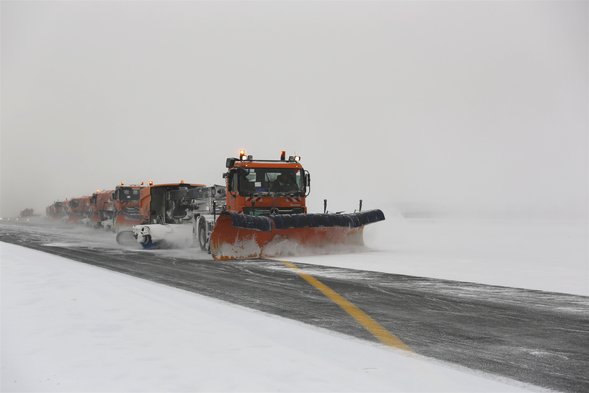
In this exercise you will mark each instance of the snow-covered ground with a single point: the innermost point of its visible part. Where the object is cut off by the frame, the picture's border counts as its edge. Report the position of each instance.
(70, 327)
(548, 255)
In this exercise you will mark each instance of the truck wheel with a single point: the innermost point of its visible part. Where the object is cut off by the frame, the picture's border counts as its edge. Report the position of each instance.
(202, 234)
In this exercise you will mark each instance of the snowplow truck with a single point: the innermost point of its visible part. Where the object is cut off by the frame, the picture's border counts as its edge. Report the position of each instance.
(266, 211)
(27, 212)
(74, 212)
(103, 209)
(166, 212)
(126, 206)
(86, 209)
(55, 211)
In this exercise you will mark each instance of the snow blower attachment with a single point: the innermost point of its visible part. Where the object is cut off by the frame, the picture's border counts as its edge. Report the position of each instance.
(166, 214)
(266, 212)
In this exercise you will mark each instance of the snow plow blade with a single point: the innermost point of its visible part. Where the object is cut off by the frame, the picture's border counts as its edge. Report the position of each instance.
(239, 236)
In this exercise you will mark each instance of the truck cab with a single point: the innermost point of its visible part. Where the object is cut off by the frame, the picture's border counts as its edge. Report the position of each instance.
(262, 187)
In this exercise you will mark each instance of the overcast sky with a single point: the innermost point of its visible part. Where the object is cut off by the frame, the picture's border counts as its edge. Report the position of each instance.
(468, 105)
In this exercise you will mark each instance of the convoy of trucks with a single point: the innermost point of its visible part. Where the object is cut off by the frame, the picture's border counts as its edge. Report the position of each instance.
(259, 211)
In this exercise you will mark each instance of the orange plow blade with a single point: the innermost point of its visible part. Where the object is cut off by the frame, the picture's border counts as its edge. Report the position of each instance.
(237, 236)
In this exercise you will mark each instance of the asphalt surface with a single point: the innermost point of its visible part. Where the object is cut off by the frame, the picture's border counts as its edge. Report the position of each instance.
(535, 337)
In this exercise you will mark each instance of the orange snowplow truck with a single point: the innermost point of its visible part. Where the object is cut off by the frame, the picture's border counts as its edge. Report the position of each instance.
(126, 206)
(86, 207)
(266, 208)
(103, 207)
(74, 212)
(55, 210)
(26, 212)
(256, 188)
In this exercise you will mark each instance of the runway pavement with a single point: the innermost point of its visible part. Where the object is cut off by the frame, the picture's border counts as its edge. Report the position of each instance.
(536, 337)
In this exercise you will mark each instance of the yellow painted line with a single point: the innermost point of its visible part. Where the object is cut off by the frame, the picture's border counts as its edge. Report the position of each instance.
(382, 334)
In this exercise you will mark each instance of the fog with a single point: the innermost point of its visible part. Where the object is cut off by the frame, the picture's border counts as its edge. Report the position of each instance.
(457, 107)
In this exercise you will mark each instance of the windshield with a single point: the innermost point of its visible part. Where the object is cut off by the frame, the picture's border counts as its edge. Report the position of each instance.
(128, 194)
(74, 203)
(271, 180)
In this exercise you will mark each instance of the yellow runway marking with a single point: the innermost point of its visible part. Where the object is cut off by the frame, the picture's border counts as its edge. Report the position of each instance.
(382, 334)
